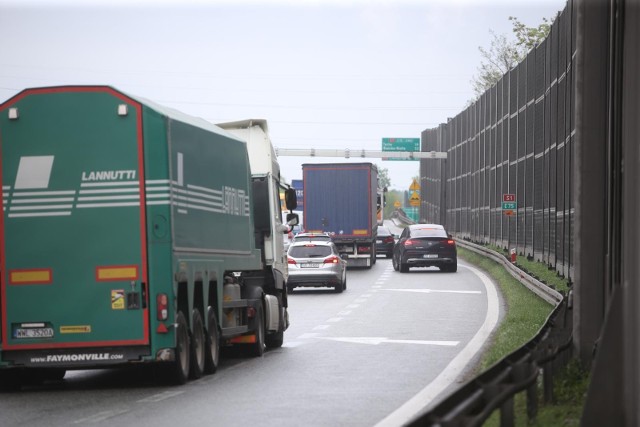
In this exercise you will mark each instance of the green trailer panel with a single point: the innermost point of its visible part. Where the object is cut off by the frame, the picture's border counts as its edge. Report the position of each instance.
(210, 188)
(73, 229)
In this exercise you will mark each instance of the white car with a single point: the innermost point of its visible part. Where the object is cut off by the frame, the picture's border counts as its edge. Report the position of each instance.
(316, 264)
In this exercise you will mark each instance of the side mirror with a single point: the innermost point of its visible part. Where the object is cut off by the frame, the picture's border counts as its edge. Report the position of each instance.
(292, 219)
(290, 199)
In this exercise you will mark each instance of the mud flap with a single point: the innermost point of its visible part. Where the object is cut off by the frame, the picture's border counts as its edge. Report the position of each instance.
(272, 313)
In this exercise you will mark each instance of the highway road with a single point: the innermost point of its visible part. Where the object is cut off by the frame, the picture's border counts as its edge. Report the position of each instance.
(373, 355)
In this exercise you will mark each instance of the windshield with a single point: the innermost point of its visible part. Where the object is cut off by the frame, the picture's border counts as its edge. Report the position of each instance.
(383, 231)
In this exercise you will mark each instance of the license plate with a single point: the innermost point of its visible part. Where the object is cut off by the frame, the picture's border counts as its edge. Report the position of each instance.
(33, 333)
(310, 265)
(378, 241)
(430, 256)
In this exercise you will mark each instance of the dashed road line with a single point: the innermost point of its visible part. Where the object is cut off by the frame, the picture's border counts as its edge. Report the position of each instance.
(160, 396)
(102, 416)
(307, 335)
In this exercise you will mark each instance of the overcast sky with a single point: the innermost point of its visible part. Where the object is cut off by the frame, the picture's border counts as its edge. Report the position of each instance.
(325, 74)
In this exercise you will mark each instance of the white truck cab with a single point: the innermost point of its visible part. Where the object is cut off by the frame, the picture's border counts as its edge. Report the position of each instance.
(264, 164)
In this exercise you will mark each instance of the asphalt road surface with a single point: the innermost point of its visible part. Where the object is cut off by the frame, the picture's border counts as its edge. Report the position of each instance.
(376, 354)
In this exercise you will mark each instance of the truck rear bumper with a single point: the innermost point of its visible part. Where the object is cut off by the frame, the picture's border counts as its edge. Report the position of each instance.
(359, 261)
(76, 358)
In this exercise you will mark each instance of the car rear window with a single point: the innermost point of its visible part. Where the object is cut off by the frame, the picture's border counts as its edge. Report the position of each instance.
(428, 232)
(316, 238)
(310, 251)
(383, 231)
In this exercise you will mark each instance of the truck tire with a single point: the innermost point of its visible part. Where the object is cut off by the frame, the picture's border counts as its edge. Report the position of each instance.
(256, 349)
(40, 375)
(198, 345)
(37, 376)
(178, 371)
(55, 374)
(212, 351)
(404, 268)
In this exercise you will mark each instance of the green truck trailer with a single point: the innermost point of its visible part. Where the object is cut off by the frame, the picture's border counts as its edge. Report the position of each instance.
(133, 233)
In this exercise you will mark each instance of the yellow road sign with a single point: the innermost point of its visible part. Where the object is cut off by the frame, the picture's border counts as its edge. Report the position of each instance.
(414, 200)
(414, 185)
(396, 204)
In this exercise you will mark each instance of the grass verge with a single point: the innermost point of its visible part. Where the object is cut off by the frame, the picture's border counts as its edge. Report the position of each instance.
(525, 315)
(525, 312)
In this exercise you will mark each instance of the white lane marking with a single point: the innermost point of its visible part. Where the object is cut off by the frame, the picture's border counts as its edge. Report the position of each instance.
(365, 295)
(376, 286)
(102, 416)
(361, 300)
(381, 340)
(420, 401)
(307, 335)
(334, 319)
(353, 306)
(160, 396)
(321, 327)
(344, 313)
(292, 344)
(428, 291)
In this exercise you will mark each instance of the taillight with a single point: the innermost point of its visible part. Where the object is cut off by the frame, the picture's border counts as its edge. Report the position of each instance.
(290, 260)
(364, 249)
(409, 242)
(388, 239)
(451, 242)
(251, 312)
(332, 260)
(162, 301)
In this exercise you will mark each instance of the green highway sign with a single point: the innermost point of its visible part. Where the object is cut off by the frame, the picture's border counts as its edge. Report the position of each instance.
(509, 206)
(400, 144)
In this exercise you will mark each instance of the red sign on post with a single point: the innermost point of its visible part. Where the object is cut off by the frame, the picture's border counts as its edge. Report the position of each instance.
(508, 197)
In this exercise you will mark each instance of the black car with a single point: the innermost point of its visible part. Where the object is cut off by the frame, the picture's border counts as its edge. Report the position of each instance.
(425, 245)
(385, 242)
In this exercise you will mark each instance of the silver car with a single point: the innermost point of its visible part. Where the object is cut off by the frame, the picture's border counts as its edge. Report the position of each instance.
(316, 264)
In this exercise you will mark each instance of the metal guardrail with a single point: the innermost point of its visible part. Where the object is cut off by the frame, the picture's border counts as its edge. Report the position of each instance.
(543, 291)
(495, 388)
(401, 216)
